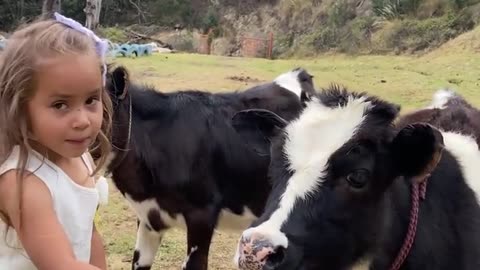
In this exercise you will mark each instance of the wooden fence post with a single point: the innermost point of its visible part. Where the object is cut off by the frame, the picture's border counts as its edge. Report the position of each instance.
(270, 45)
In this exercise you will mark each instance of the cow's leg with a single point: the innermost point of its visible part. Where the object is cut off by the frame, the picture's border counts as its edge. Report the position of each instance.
(200, 227)
(146, 246)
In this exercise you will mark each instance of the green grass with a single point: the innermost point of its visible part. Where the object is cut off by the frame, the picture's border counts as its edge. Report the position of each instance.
(408, 81)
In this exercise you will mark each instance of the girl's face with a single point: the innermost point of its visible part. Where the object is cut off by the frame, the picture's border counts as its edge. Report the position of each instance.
(65, 111)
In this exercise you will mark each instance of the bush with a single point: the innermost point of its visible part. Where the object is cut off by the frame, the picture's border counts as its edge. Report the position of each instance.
(362, 34)
(395, 9)
(388, 10)
(361, 31)
(210, 21)
(282, 43)
(114, 34)
(351, 38)
(330, 35)
(416, 35)
(182, 41)
(340, 13)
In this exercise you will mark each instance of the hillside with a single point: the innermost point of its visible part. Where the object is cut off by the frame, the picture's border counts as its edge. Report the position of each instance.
(467, 42)
(299, 27)
(307, 28)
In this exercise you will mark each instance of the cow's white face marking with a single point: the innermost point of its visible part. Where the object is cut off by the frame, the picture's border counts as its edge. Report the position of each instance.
(310, 141)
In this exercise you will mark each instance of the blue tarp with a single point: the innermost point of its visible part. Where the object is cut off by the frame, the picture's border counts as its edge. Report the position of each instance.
(130, 50)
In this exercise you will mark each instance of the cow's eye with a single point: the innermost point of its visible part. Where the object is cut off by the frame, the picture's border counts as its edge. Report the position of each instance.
(358, 178)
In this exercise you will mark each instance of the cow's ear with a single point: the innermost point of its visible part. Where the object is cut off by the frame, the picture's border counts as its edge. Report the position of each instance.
(257, 127)
(118, 82)
(308, 89)
(416, 150)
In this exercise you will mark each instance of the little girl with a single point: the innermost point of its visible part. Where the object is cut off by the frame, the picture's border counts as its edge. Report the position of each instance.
(53, 109)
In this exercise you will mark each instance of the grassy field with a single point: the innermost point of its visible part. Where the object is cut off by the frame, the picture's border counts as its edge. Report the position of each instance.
(408, 81)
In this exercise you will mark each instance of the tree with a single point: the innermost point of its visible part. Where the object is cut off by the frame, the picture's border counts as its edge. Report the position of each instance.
(92, 13)
(49, 7)
(22, 7)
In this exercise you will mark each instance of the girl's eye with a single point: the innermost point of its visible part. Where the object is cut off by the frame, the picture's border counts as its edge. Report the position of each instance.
(92, 100)
(59, 106)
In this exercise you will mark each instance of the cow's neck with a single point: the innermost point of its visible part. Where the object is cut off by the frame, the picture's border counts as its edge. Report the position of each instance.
(232, 100)
(394, 229)
(121, 132)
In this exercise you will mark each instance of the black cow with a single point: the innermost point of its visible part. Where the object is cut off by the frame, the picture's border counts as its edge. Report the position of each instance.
(178, 161)
(345, 182)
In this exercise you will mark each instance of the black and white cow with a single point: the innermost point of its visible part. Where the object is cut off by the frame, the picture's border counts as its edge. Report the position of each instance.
(344, 181)
(186, 165)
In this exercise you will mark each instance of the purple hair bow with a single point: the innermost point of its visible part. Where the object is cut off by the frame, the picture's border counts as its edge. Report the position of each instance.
(101, 45)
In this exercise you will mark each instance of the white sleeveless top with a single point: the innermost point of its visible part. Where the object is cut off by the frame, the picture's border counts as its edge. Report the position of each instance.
(74, 205)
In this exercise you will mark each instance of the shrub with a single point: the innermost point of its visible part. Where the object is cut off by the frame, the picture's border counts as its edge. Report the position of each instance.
(114, 34)
(415, 35)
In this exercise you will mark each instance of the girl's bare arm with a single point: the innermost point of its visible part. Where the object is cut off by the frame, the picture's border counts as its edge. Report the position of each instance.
(98, 257)
(40, 232)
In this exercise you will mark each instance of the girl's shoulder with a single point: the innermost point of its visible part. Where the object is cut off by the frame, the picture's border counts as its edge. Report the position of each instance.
(33, 193)
(38, 176)
(35, 164)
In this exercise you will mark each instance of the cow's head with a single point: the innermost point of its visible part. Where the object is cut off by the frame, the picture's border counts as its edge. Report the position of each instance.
(330, 169)
(299, 81)
(283, 95)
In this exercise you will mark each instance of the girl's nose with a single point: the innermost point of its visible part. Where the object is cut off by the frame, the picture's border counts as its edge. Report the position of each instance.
(81, 120)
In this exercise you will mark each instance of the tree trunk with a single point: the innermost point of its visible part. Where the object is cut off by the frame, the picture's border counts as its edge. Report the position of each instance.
(22, 8)
(92, 13)
(49, 7)
(97, 14)
(140, 12)
(58, 6)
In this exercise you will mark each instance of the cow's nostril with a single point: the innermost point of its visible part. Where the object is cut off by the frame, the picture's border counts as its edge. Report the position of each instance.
(275, 259)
